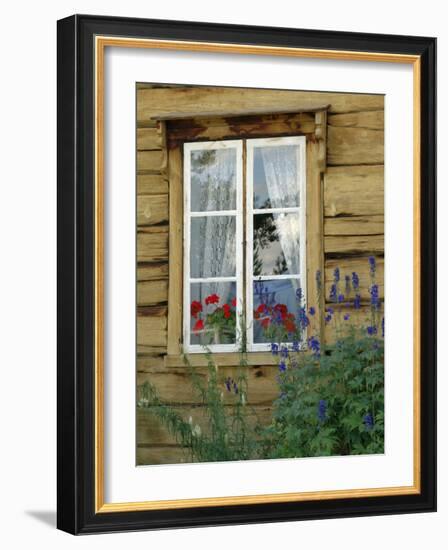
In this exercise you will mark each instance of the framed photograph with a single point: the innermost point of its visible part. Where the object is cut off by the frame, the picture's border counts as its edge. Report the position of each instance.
(246, 274)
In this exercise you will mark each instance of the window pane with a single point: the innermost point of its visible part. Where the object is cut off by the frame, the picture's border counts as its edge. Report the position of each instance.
(213, 317)
(275, 310)
(276, 172)
(213, 180)
(276, 244)
(212, 249)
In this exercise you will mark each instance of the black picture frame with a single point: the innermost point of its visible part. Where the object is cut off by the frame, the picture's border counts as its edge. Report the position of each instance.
(76, 254)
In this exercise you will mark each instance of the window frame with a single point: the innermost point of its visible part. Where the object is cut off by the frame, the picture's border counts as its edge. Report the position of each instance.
(282, 121)
(251, 144)
(238, 278)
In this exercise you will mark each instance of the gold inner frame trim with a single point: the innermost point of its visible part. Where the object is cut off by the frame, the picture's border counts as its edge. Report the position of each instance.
(101, 42)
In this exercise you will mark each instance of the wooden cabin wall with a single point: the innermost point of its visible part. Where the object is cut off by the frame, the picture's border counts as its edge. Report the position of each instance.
(353, 212)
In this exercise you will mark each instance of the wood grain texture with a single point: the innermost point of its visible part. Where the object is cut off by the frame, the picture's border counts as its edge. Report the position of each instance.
(152, 244)
(152, 184)
(354, 191)
(354, 225)
(149, 139)
(152, 102)
(370, 120)
(351, 145)
(151, 160)
(152, 292)
(152, 209)
(359, 265)
(347, 245)
(151, 271)
(261, 381)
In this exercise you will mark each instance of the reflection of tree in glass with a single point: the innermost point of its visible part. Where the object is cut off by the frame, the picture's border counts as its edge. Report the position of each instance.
(265, 233)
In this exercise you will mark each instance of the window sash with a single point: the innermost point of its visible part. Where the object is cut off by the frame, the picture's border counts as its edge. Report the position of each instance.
(188, 215)
(251, 144)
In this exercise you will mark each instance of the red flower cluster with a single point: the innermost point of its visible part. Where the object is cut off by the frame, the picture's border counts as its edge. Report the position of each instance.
(226, 310)
(196, 307)
(199, 325)
(212, 299)
(266, 315)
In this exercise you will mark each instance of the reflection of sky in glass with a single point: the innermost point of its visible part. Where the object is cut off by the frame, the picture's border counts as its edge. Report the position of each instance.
(199, 292)
(212, 250)
(276, 244)
(213, 180)
(275, 176)
(272, 292)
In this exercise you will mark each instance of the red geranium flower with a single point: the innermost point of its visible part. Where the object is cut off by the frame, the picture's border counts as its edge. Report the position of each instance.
(199, 325)
(282, 309)
(196, 307)
(226, 310)
(265, 322)
(234, 302)
(262, 308)
(212, 299)
(289, 324)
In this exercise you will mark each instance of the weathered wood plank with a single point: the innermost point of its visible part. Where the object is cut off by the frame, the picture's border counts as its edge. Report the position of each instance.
(211, 129)
(354, 225)
(354, 191)
(359, 265)
(152, 292)
(338, 327)
(146, 362)
(151, 331)
(354, 146)
(174, 385)
(152, 160)
(371, 120)
(152, 271)
(149, 139)
(221, 359)
(160, 455)
(152, 184)
(150, 430)
(152, 209)
(150, 350)
(152, 247)
(354, 244)
(161, 101)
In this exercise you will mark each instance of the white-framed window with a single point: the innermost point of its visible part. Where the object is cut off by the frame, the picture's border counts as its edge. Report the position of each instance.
(244, 237)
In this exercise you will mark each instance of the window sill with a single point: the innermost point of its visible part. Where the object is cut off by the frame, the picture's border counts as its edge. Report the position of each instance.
(254, 359)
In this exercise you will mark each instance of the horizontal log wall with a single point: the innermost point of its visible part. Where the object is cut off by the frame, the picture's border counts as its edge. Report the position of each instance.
(353, 209)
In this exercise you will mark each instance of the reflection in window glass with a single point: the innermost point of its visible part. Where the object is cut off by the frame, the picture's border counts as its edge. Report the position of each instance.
(276, 244)
(213, 180)
(275, 301)
(213, 317)
(212, 249)
(276, 170)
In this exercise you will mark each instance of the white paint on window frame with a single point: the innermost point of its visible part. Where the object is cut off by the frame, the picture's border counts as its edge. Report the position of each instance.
(251, 144)
(238, 213)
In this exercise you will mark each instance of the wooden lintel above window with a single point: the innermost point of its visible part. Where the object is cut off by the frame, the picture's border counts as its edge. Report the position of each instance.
(243, 112)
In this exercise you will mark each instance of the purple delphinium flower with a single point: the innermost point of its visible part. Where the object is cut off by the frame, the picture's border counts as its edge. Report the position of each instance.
(330, 310)
(314, 345)
(282, 366)
(368, 421)
(299, 295)
(336, 275)
(312, 311)
(322, 410)
(333, 292)
(355, 280)
(346, 317)
(228, 382)
(382, 327)
(341, 298)
(374, 297)
(274, 349)
(235, 388)
(296, 346)
(372, 264)
(328, 318)
(284, 351)
(357, 301)
(371, 330)
(303, 319)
